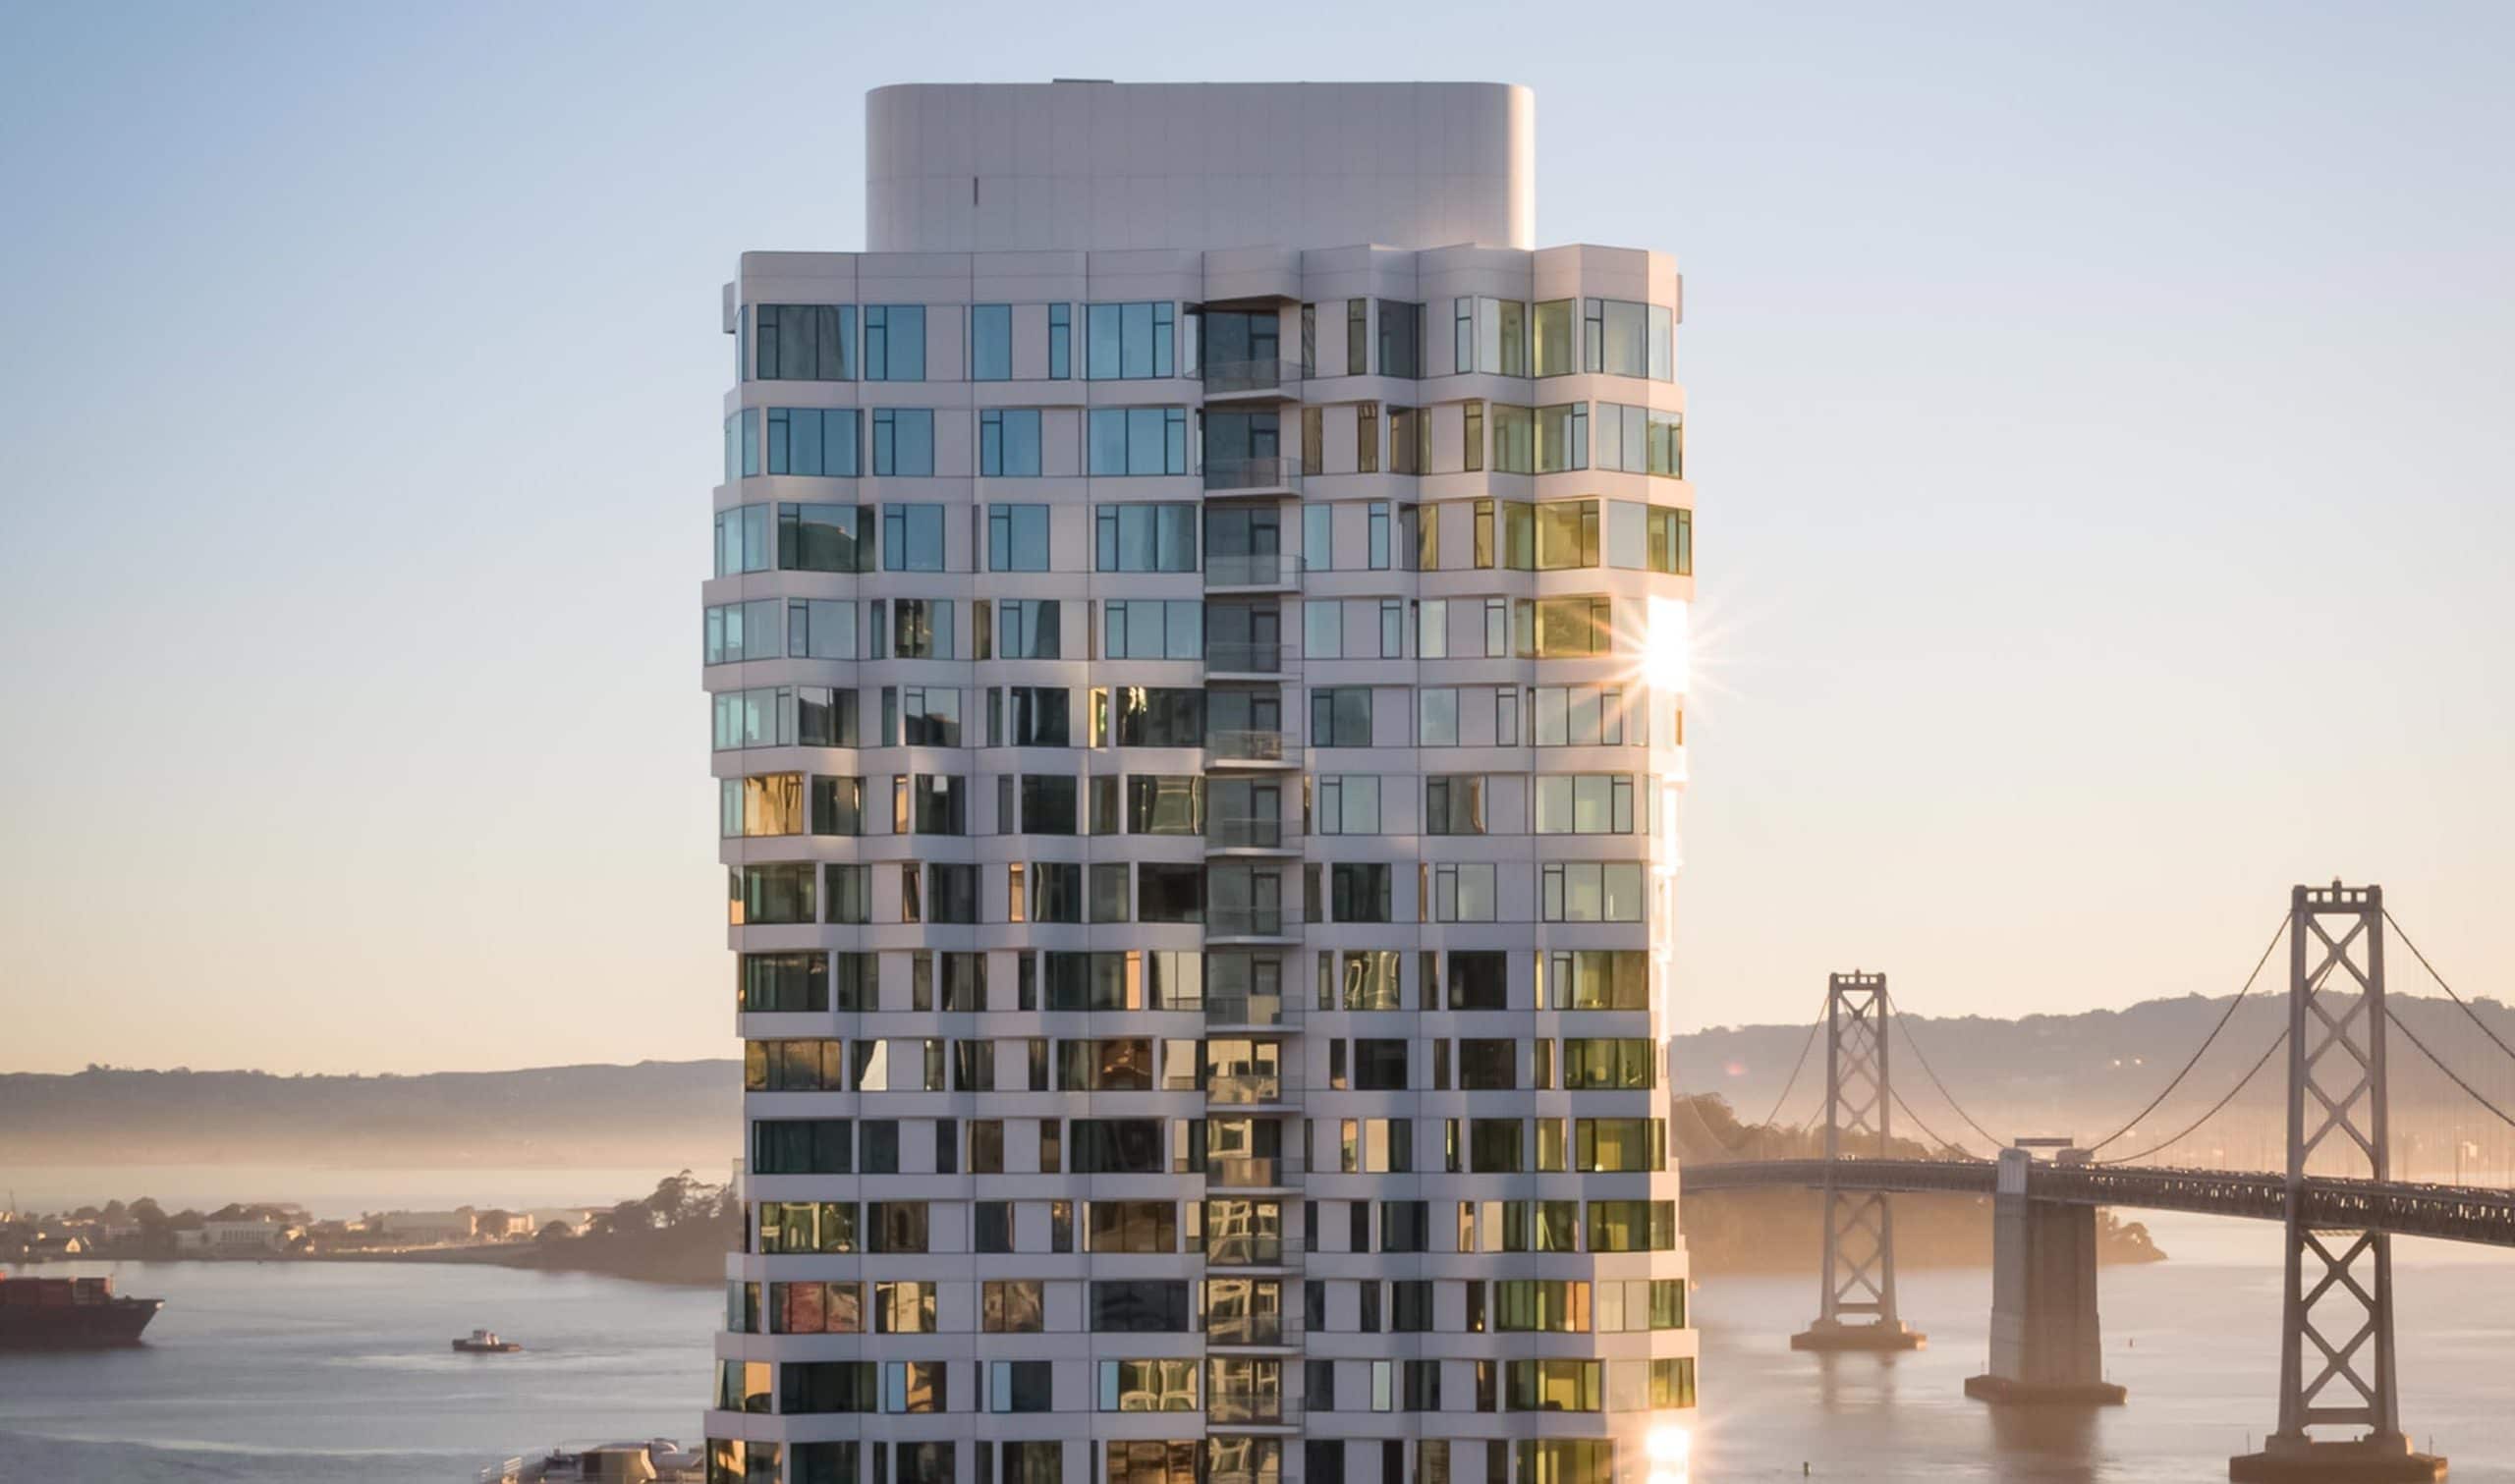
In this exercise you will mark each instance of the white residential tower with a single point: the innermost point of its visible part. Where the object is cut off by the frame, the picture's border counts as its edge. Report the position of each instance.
(1196, 648)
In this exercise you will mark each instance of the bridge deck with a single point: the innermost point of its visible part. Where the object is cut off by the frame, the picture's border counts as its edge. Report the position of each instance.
(2455, 1212)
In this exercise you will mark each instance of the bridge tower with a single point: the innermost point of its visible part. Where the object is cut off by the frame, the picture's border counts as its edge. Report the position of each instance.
(2338, 1309)
(1859, 1278)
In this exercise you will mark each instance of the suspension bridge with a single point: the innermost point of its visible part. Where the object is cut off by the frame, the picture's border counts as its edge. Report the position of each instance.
(2336, 1198)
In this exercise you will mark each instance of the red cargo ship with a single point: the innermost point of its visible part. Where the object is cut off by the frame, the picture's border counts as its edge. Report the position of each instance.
(69, 1314)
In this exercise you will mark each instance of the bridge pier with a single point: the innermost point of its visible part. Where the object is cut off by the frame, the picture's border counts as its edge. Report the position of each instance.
(1860, 1226)
(2046, 1342)
(2338, 1311)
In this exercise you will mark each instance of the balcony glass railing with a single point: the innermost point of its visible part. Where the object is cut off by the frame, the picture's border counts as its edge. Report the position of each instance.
(1245, 1251)
(1245, 1009)
(1245, 833)
(1251, 745)
(1251, 922)
(1246, 1171)
(1250, 1087)
(1244, 1329)
(1260, 374)
(1247, 570)
(1252, 474)
(1243, 656)
(1249, 1407)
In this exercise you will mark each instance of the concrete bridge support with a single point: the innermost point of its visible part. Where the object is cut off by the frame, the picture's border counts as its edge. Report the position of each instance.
(2047, 1343)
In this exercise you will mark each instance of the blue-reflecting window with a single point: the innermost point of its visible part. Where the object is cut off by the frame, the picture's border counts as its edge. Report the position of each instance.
(1009, 442)
(990, 342)
(741, 445)
(744, 542)
(1128, 342)
(1017, 538)
(895, 342)
(904, 442)
(1060, 341)
(1028, 628)
(804, 343)
(812, 440)
(1145, 538)
(1138, 440)
(912, 537)
(739, 632)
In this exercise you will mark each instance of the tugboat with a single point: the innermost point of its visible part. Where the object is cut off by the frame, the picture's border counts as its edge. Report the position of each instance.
(485, 1342)
(70, 1314)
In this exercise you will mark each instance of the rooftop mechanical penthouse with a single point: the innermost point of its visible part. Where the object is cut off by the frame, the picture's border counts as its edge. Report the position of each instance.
(1197, 653)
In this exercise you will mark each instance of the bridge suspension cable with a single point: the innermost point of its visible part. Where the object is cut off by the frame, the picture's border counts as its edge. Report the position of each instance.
(2403, 1027)
(2449, 994)
(1786, 1088)
(1934, 1137)
(2278, 1041)
(1930, 1073)
(2249, 980)
(1795, 1067)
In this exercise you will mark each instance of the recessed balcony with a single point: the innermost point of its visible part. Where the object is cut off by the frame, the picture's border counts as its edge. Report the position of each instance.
(1243, 748)
(1254, 922)
(1258, 659)
(1223, 1012)
(1270, 378)
(1253, 476)
(1268, 571)
(1255, 832)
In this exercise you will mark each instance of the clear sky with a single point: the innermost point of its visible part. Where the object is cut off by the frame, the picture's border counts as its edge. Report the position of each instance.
(2099, 415)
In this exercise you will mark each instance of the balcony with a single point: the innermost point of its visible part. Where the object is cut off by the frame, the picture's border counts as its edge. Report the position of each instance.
(1240, 745)
(1257, 1331)
(1266, 378)
(1246, 1087)
(1250, 1249)
(1273, 570)
(1244, 657)
(1259, 832)
(1248, 1172)
(1243, 1010)
(1253, 476)
(1252, 1410)
(1251, 922)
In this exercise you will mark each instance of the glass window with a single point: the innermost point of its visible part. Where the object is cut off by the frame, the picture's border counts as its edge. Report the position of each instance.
(1358, 337)
(1671, 540)
(743, 540)
(804, 343)
(894, 342)
(1152, 628)
(826, 537)
(1567, 534)
(1554, 338)
(821, 441)
(904, 442)
(1129, 342)
(1401, 339)
(1060, 341)
(912, 537)
(1514, 439)
(1144, 537)
(1138, 440)
(1017, 538)
(1562, 437)
(1009, 443)
(990, 342)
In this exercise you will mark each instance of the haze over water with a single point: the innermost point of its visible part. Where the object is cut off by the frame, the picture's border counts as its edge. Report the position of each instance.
(316, 1373)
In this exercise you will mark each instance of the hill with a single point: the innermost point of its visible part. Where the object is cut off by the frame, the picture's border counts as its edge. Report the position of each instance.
(662, 1114)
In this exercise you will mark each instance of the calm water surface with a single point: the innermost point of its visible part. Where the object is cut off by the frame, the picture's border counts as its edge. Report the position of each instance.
(280, 1373)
